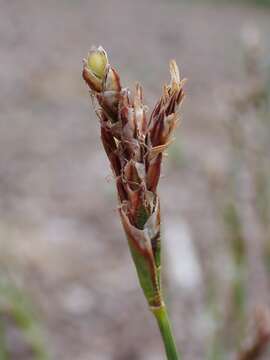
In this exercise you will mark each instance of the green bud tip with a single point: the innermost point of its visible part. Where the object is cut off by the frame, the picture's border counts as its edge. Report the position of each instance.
(97, 61)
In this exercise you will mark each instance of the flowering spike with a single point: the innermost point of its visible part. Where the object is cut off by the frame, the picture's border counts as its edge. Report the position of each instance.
(134, 145)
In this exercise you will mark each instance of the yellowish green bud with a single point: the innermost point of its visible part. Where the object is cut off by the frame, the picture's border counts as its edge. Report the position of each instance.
(97, 61)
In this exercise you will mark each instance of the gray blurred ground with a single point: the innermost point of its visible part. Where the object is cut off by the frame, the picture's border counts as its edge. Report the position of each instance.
(59, 230)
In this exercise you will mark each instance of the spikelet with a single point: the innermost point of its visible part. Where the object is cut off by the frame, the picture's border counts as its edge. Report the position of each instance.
(134, 145)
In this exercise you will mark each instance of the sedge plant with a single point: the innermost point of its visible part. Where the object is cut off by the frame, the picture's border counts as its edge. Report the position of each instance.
(135, 144)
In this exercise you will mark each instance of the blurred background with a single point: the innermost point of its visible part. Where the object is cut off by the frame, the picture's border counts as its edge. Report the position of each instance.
(68, 288)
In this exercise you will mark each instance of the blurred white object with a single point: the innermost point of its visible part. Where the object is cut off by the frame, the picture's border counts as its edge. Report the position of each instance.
(77, 300)
(253, 48)
(251, 36)
(182, 263)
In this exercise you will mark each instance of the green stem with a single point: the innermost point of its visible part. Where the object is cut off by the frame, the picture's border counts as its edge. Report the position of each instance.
(166, 332)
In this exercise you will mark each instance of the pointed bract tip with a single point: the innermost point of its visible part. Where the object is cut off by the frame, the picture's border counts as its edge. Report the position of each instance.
(175, 75)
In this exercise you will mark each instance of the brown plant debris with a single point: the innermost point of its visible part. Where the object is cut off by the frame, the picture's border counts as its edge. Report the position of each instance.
(257, 345)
